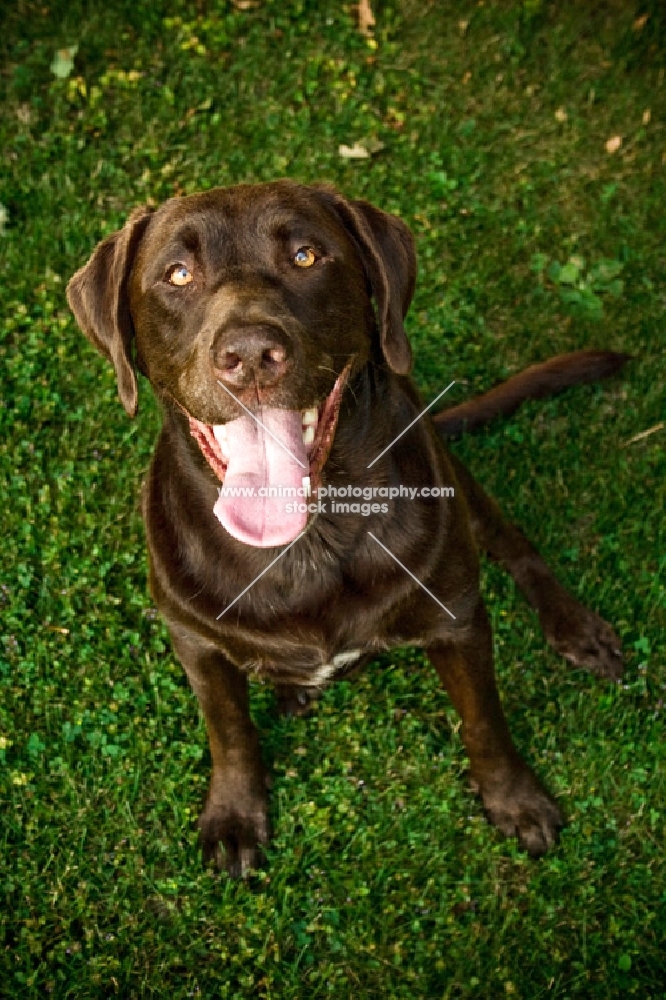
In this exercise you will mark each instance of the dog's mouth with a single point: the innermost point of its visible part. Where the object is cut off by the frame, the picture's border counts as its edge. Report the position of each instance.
(269, 465)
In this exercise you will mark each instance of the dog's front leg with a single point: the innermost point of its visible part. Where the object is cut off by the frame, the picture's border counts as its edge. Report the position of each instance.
(512, 795)
(234, 823)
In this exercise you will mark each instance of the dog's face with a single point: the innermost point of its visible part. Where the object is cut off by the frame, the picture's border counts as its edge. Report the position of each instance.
(265, 287)
(256, 300)
(260, 289)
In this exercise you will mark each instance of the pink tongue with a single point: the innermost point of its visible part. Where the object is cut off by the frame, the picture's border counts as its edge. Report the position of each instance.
(256, 461)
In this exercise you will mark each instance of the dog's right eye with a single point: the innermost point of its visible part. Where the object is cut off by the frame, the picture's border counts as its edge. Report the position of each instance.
(180, 275)
(305, 257)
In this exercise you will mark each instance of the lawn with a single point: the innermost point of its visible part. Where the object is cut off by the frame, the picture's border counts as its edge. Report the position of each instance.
(525, 144)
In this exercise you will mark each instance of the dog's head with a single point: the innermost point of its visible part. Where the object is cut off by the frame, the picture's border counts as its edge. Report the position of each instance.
(256, 298)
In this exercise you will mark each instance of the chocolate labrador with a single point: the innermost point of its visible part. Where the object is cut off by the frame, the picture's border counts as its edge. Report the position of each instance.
(269, 320)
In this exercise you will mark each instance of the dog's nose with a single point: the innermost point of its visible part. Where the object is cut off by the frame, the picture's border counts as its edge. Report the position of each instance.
(250, 355)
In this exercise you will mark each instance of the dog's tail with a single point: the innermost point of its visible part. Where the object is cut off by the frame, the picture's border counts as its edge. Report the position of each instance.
(545, 379)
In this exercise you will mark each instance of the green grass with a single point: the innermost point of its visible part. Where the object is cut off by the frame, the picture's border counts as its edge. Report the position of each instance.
(383, 880)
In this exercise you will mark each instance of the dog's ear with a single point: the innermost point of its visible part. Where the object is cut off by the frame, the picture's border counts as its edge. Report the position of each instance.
(98, 297)
(387, 248)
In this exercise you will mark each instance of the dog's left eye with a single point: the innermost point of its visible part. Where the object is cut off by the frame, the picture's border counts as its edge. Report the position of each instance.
(180, 275)
(305, 257)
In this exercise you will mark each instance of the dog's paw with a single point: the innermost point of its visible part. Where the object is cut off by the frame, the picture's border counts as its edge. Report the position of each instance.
(520, 807)
(294, 700)
(584, 639)
(232, 837)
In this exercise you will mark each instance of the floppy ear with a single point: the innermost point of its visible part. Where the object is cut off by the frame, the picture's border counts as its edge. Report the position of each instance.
(98, 297)
(387, 248)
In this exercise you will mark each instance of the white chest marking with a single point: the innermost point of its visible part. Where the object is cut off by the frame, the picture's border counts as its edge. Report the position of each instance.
(327, 670)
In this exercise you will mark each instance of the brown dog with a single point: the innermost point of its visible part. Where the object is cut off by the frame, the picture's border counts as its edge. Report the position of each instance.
(269, 320)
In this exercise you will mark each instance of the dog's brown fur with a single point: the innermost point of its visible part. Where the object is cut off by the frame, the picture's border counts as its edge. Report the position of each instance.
(336, 589)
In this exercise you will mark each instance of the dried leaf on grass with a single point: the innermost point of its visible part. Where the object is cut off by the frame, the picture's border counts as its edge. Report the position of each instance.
(355, 152)
(361, 150)
(366, 19)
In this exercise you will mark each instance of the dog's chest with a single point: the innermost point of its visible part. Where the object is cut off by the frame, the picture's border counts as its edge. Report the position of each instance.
(306, 668)
(312, 658)
(324, 673)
